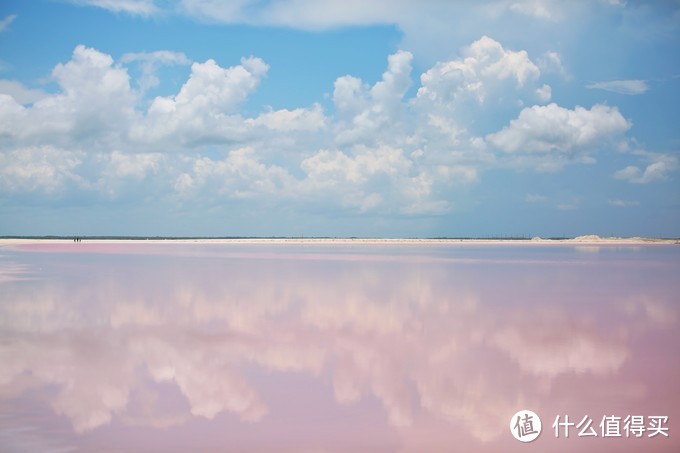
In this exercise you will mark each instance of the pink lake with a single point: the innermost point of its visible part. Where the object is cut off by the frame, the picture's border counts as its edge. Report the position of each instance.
(336, 347)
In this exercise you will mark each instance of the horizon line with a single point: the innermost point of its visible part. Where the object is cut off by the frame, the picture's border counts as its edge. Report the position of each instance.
(241, 237)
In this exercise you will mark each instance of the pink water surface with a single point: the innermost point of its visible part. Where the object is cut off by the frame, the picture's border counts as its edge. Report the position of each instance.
(333, 348)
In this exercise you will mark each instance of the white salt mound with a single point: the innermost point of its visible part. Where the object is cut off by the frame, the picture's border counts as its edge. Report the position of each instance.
(588, 237)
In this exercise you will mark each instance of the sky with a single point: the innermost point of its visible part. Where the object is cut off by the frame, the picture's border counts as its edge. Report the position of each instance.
(388, 118)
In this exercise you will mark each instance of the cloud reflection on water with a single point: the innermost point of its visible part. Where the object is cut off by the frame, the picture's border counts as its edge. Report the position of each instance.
(463, 342)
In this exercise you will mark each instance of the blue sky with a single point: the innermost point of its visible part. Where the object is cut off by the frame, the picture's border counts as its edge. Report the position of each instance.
(340, 118)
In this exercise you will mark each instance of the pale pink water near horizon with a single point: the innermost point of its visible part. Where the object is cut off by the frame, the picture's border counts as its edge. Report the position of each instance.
(336, 347)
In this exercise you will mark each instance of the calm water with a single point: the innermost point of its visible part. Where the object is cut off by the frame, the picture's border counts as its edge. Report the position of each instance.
(334, 348)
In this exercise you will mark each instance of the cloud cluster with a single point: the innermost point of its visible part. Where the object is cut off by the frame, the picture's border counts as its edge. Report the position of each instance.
(376, 150)
(485, 70)
(43, 169)
(557, 135)
(658, 167)
(550, 128)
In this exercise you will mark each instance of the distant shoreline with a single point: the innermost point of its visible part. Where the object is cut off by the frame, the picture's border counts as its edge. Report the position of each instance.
(579, 240)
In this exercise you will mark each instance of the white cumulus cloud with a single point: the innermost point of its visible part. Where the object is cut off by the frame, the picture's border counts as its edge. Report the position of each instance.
(95, 103)
(480, 73)
(44, 169)
(658, 168)
(291, 120)
(551, 128)
(205, 107)
(366, 112)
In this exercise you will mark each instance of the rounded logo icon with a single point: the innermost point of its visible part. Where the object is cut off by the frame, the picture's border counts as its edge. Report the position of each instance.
(525, 425)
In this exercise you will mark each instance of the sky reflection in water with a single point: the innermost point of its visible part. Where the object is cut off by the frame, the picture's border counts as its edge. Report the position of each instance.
(332, 347)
